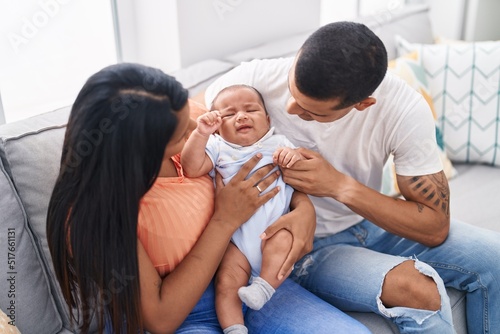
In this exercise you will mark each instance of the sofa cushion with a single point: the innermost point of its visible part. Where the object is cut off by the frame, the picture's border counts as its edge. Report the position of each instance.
(31, 153)
(381, 325)
(26, 291)
(464, 81)
(474, 195)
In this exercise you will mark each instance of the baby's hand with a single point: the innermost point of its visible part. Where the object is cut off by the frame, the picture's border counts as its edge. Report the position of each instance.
(285, 157)
(208, 123)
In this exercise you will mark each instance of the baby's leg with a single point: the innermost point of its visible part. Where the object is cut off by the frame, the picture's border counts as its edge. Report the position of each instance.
(274, 252)
(233, 273)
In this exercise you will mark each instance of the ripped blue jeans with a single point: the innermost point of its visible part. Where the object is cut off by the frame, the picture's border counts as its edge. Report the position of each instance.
(291, 310)
(348, 269)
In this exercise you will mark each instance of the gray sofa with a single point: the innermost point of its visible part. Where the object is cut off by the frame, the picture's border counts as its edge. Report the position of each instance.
(29, 158)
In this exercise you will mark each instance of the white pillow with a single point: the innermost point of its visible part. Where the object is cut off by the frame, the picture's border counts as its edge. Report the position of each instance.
(464, 80)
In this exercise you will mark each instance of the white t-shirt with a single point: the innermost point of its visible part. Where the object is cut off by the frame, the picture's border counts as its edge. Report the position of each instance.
(358, 144)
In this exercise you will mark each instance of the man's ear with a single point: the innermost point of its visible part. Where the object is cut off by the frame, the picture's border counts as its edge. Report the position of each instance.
(369, 101)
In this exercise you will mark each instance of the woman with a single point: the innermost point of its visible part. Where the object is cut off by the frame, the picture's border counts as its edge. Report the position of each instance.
(126, 128)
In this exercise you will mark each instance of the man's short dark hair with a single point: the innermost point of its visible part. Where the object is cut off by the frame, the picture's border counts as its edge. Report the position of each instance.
(343, 60)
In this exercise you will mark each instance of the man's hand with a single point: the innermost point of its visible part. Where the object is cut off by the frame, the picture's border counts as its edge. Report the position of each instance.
(314, 175)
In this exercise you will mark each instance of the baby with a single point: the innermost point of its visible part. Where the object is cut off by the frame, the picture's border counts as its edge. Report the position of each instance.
(239, 116)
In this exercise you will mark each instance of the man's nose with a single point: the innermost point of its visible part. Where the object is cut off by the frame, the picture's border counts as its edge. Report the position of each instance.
(293, 108)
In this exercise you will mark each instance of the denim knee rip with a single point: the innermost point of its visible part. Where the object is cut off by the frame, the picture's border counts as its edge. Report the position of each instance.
(419, 316)
(304, 264)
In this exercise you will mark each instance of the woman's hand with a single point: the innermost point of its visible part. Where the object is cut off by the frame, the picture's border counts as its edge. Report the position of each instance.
(238, 200)
(301, 223)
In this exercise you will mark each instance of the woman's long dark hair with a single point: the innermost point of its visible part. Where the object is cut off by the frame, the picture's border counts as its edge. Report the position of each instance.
(114, 144)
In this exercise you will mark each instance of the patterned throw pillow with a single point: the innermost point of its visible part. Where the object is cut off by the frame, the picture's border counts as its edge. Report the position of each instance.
(464, 79)
(408, 68)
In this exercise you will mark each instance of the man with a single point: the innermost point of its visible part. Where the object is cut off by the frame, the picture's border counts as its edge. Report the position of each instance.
(373, 253)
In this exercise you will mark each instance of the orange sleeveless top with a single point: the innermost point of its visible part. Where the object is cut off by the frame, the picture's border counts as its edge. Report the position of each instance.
(172, 216)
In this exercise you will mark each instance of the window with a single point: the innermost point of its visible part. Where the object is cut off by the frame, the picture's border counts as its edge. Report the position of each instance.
(48, 50)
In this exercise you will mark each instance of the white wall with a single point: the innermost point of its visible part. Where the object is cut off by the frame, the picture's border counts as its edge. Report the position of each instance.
(149, 33)
(472, 20)
(219, 27)
(170, 34)
(335, 10)
(483, 21)
(447, 17)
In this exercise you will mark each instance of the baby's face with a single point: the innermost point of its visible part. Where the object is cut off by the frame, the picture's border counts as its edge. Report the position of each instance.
(244, 119)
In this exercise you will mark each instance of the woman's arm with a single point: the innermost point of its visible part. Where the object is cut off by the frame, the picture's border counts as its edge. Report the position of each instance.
(301, 223)
(167, 302)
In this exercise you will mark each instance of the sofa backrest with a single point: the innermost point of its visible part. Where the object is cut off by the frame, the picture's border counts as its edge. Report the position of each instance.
(411, 22)
(30, 152)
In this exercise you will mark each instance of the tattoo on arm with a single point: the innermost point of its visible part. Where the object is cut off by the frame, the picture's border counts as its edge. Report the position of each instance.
(420, 207)
(432, 189)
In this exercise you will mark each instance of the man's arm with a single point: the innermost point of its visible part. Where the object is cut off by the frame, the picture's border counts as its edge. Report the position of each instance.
(419, 217)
